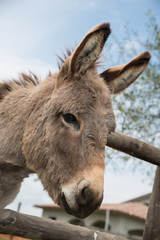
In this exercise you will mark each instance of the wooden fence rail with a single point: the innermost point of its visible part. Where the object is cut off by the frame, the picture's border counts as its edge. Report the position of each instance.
(37, 228)
(134, 147)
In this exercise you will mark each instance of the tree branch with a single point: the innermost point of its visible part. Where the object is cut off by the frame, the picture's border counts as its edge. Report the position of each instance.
(134, 147)
(23, 225)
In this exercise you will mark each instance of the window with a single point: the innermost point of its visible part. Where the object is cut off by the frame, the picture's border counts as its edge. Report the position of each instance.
(136, 232)
(53, 218)
(99, 224)
(79, 222)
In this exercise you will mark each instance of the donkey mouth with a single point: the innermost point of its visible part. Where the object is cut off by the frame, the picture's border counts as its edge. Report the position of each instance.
(81, 212)
(63, 203)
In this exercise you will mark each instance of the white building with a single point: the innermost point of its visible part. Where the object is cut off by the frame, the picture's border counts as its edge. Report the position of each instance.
(125, 219)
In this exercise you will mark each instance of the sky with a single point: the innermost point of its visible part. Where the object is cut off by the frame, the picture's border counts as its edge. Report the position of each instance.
(33, 31)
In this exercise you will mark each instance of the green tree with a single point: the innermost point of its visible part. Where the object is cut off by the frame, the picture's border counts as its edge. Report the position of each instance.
(138, 108)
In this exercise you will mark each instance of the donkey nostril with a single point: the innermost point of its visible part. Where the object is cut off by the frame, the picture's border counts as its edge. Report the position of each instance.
(85, 196)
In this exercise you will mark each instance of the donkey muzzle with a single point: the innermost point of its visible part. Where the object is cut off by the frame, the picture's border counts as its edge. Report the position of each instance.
(82, 199)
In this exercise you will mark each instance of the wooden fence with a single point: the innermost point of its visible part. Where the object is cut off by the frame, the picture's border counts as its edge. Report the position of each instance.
(31, 227)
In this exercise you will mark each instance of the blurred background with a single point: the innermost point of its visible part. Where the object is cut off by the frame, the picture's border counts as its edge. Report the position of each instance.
(32, 32)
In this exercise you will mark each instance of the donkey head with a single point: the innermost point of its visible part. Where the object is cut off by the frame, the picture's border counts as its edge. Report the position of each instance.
(73, 122)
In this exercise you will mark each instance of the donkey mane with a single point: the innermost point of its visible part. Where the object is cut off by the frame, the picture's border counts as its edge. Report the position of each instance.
(24, 80)
(31, 79)
(61, 60)
(28, 80)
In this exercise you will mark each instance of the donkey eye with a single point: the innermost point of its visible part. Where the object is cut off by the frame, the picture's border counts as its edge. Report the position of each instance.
(71, 120)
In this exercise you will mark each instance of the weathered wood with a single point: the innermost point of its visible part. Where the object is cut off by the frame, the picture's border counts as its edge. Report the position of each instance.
(152, 226)
(134, 147)
(23, 225)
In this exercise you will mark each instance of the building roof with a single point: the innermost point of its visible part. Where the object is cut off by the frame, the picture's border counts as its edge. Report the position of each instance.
(140, 198)
(134, 209)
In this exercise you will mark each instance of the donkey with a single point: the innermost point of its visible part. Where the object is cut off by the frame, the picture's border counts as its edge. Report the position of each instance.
(58, 128)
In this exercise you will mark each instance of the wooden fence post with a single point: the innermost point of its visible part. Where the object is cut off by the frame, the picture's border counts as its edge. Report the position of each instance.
(152, 226)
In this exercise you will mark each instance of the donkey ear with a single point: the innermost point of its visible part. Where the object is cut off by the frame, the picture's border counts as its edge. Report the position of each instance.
(89, 49)
(120, 77)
